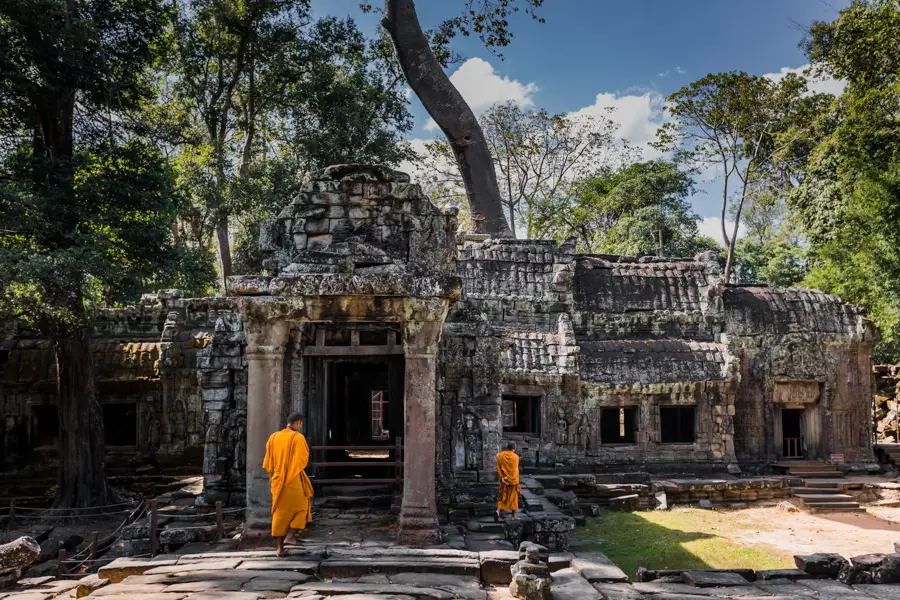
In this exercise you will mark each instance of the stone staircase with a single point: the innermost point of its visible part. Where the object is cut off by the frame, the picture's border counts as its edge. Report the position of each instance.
(820, 492)
(810, 469)
(826, 496)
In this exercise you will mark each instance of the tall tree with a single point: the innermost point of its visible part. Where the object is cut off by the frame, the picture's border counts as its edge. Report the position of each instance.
(638, 210)
(536, 156)
(425, 75)
(726, 122)
(849, 201)
(260, 92)
(86, 212)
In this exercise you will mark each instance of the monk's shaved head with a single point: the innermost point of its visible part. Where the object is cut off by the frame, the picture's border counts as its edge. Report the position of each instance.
(511, 446)
(294, 417)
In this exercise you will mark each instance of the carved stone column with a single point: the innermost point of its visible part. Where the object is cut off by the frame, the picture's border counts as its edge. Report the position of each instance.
(418, 514)
(265, 399)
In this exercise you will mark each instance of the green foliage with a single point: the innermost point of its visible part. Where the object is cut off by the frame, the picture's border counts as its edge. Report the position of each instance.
(120, 247)
(640, 210)
(849, 202)
(255, 97)
(86, 205)
(536, 156)
(731, 122)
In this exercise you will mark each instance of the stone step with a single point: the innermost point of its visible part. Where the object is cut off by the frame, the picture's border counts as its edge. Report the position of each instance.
(835, 506)
(816, 490)
(817, 474)
(347, 567)
(810, 497)
(824, 484)
(352, 501)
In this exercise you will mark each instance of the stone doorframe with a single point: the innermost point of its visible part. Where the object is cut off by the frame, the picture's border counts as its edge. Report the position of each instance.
(267, 323)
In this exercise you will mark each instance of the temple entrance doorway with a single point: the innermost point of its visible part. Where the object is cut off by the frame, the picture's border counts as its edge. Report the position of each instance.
(359, 413)
(792, 433)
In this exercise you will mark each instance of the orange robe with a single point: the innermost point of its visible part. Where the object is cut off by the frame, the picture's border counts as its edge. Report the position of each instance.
(508, 469)
(287, 455)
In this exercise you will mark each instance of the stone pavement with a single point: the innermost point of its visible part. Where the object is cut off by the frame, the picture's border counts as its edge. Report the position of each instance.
(347, 571)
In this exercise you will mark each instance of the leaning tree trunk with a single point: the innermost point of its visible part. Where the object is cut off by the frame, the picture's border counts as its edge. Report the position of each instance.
(446, 106)
(82, 479)
(224, 246)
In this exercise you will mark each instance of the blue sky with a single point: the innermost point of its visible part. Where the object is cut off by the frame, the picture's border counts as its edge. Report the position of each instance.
(627, 54)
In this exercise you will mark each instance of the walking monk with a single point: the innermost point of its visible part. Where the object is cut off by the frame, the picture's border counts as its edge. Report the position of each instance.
(508, 472)
(287, 454)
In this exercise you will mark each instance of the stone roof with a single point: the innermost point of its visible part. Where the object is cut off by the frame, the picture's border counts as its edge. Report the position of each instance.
(603, 285)
(532, 352)
(761, 309)
(651, 361)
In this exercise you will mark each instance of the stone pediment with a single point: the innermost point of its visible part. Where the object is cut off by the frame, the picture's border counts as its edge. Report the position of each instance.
(357, 229)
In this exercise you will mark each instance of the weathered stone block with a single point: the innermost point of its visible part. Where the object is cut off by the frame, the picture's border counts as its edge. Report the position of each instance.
(827, 565)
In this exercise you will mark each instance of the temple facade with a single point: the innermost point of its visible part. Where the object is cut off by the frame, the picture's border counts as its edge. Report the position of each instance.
(404, 343)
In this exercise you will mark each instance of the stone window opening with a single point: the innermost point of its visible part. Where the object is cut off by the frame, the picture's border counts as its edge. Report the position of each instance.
(522, 414)
(618, 425)
(44, 425)
(120, 424)
(337, 337)
(678, 424)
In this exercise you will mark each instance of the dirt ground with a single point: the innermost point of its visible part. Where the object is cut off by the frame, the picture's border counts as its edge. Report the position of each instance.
(849, 534)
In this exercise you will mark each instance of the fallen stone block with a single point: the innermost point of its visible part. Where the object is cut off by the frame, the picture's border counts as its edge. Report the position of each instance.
(618, 591)
(789, 574)
(888, 570)
(821, 565)
(560, 561)
(705, 579)
(90, 584)
(568, 584)
(15, 556)
(596, 567)
(495, 566)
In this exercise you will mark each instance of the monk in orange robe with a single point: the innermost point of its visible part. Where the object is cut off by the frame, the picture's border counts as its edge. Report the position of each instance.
(287, 455)
(508, 472)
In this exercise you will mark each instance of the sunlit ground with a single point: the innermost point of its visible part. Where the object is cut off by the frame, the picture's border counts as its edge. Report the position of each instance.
(755, 538)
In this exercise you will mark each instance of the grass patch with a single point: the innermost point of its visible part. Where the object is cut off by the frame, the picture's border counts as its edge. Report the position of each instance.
(682, 538)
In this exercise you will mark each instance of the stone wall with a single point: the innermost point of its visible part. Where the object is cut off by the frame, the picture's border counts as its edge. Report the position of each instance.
(588, 362)
(171, 365)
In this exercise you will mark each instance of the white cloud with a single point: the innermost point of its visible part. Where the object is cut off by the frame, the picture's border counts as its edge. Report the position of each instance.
(668, 72)
(816, 86)
(482, 87)
(638, 116)
(712, 227)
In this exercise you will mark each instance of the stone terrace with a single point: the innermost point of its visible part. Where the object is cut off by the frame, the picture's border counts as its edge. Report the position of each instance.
(346, 571)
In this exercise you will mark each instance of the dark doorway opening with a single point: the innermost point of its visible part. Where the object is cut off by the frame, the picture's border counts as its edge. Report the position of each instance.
(120, 424)
(792, 432)
(44, 425)
(363, 406)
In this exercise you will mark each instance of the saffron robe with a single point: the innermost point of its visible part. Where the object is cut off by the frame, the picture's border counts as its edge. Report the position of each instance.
(287, 455)
(508, 469)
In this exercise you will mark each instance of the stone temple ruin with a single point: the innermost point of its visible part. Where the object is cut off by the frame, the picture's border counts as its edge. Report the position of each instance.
(391, 332)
